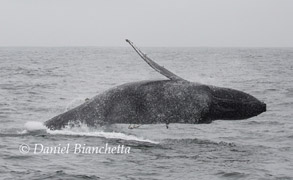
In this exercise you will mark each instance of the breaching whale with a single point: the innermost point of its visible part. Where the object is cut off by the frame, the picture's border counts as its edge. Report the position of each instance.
(162, 101)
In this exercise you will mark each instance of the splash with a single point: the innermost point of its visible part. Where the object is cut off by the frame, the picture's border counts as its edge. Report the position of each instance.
(75, 102)
(81, 130)
(34, 126)
(85, 131)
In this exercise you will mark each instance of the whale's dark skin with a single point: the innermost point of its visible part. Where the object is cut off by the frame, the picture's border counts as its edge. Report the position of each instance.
(163, 101)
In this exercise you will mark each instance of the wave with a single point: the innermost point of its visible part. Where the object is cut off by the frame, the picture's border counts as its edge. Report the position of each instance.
(54, 175)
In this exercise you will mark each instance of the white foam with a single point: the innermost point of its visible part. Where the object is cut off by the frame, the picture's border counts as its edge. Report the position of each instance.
(82, 130)
(34, 126)
(22, 132)
(85, 131)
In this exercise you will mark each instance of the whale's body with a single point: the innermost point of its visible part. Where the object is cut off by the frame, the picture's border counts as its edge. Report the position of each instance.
(141, 103)
(163, 101)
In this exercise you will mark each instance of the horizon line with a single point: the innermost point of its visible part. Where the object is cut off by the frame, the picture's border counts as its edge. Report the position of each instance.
(97, 46)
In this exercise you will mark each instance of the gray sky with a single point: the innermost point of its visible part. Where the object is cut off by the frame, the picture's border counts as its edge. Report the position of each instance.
(261, 23)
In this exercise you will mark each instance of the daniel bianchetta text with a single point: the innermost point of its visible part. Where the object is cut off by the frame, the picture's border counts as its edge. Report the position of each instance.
(77, 148)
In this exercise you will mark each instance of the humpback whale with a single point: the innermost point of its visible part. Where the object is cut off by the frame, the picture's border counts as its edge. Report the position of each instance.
(175, 100)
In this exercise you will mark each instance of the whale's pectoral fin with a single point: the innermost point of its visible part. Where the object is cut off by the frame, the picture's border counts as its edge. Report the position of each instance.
(154, 65)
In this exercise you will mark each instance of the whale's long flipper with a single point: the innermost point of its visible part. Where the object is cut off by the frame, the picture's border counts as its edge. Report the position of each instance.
(154, 65)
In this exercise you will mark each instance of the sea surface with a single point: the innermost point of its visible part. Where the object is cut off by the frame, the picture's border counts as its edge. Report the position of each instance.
(37, 84)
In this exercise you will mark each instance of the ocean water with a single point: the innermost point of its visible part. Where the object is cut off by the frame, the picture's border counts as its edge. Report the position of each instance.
(39, 83)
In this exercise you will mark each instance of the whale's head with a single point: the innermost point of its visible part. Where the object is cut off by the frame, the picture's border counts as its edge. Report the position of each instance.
(230, 104)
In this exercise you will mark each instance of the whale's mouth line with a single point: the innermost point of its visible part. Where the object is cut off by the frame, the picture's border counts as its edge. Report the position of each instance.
(246, 102)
